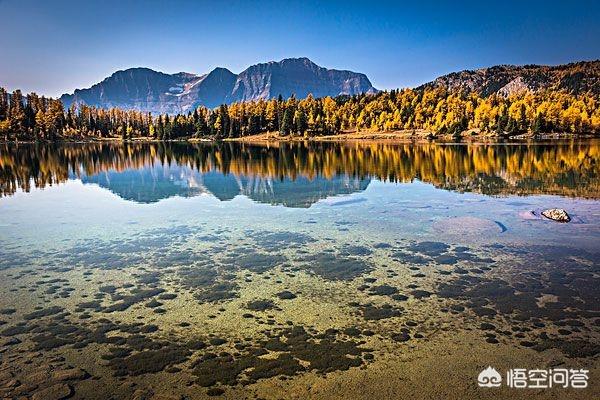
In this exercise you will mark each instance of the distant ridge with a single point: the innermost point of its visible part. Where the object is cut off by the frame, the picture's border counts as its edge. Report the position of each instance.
(147, 90)
(575, 78)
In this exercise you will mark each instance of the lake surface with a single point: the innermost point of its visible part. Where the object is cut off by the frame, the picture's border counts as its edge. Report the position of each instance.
(296, 270)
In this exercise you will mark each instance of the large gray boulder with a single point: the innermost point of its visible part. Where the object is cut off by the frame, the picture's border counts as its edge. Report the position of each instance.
(556, 214)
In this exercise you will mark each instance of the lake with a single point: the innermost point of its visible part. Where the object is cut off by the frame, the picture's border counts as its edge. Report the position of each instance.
(298, 270)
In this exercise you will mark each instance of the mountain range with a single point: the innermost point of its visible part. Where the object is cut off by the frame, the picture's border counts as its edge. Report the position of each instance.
(147, 90)
(575, 78)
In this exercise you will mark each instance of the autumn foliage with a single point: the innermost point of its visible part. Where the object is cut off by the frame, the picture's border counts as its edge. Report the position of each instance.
(436, 110)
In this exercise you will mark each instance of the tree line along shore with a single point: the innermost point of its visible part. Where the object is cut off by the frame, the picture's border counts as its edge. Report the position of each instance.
(431, 112)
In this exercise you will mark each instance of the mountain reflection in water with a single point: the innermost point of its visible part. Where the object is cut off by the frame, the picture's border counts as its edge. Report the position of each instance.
(299, 174)
(153, 183)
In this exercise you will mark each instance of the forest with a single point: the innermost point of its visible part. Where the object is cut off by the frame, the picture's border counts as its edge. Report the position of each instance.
(436, 110)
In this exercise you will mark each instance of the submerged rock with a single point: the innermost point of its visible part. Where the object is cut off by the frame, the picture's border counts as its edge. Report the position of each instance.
(529, 215)
(72, 374)
(556, 214)
(286, 295)
(467, 225)
(56, 392)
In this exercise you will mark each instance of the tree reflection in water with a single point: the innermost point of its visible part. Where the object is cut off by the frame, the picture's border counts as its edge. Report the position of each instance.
(562, 168)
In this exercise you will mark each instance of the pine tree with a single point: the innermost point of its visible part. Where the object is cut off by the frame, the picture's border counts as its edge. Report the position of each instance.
(538, 124)
(16, 114)
(287, 122)
(300, 121)
(201, 129)
(3, 104)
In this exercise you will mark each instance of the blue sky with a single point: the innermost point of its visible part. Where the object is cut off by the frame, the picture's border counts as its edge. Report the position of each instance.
(53, 47)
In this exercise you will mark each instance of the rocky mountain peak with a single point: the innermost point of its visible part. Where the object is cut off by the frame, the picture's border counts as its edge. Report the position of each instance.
(148, 90)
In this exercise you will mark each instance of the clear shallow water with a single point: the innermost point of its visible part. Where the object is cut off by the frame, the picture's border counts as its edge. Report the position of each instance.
(205, 269)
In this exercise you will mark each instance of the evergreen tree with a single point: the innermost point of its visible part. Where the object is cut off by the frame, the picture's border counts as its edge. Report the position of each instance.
(201, 129)
(300, 121)
(16, 114)
(538, 124)
(287, 122)
(3, 104)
